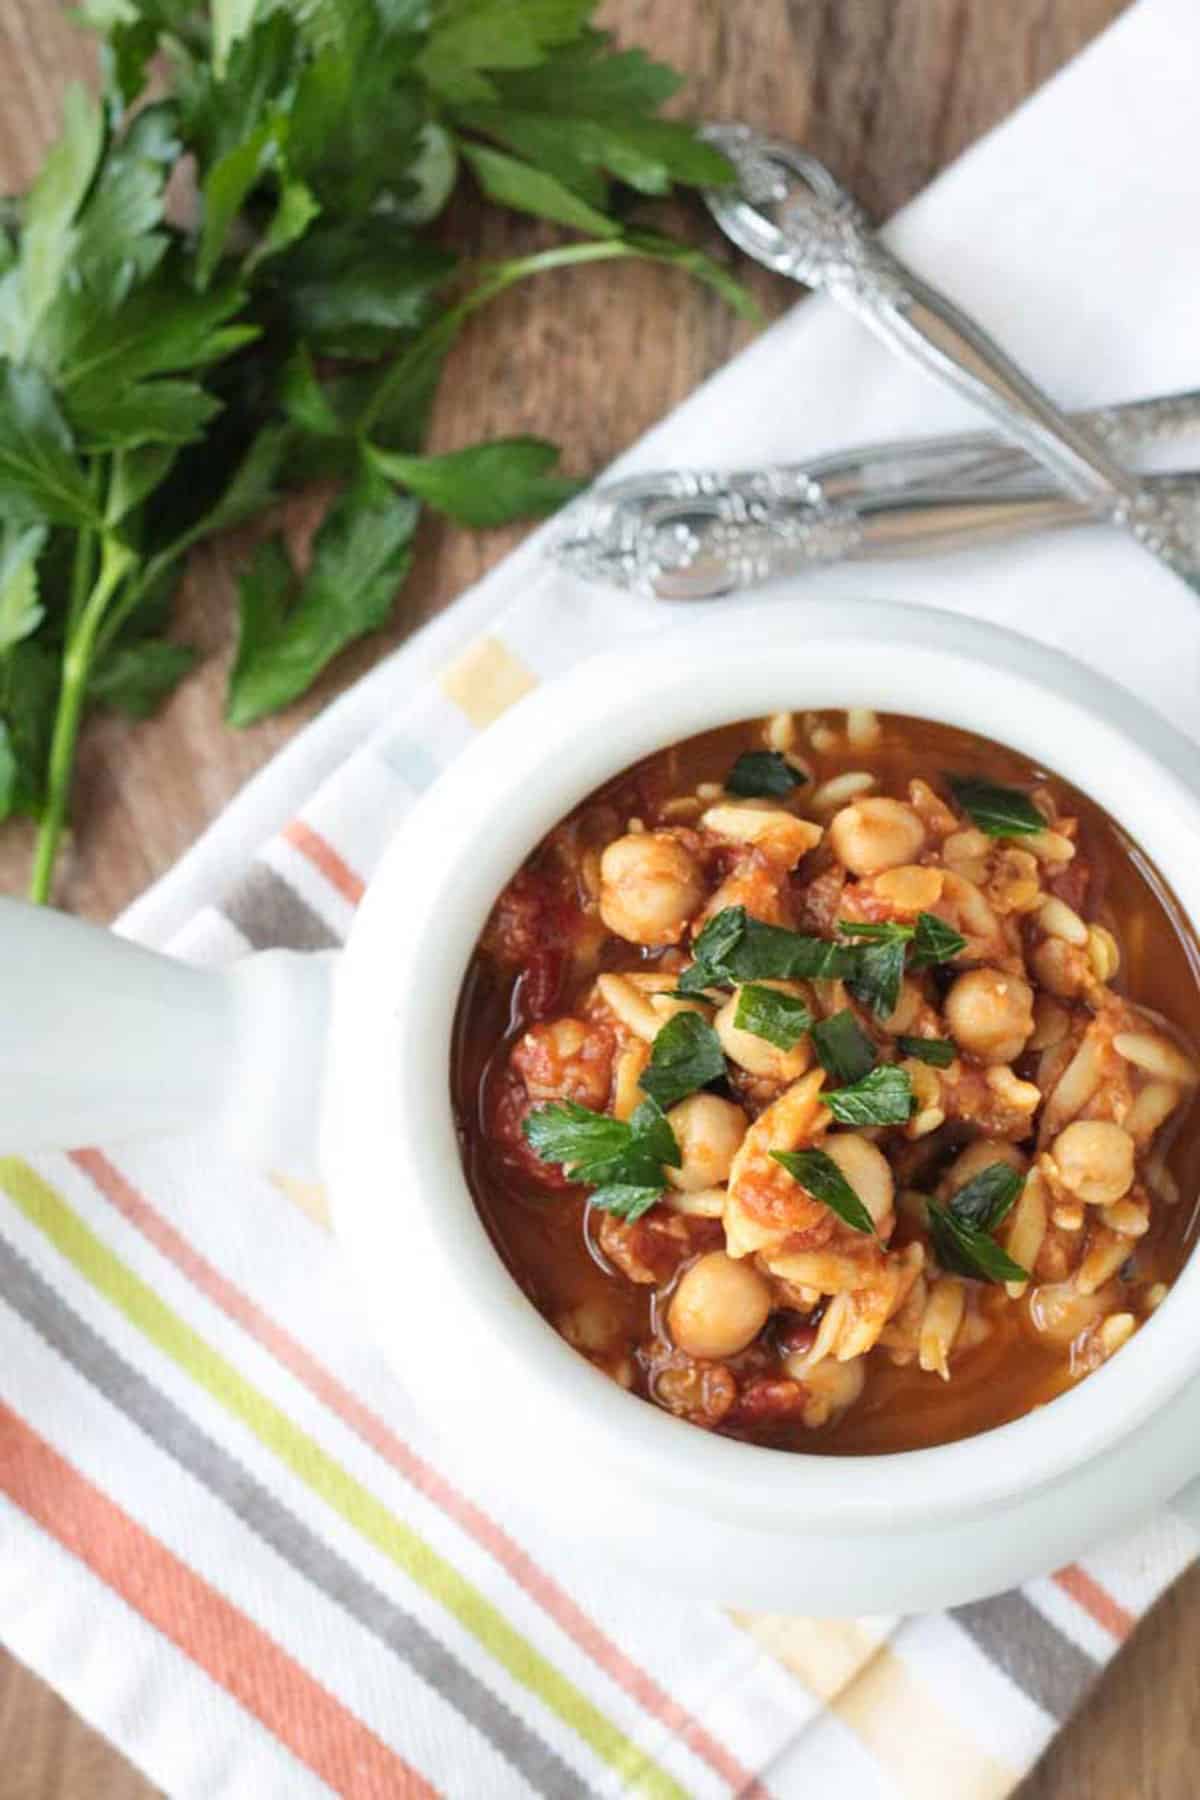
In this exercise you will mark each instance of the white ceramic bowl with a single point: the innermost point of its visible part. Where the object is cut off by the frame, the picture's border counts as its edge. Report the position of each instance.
(521, 1396)
(515, 1404)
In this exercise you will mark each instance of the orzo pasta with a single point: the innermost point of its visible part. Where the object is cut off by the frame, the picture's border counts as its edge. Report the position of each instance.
(821, 1080)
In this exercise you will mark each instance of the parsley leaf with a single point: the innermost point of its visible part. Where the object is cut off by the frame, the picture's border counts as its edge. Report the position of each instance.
(486, 484)
(734, 948)
(782, 1019)
(622, 1160)
(843, 1048)
(40, 476)
(884, 1097)
(934, 941)
(939, 1052)
(820, 1176)
(361, 555)
(625, 1198)
(961, 1231)
(998, 811)
(141, 361)
(686, 1055)
(987, 1199)
(877, 974)
(762, 773)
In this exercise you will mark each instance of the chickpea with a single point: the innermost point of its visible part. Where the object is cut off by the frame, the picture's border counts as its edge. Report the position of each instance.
(831, 1387)
(719, 1307)
(875, 833)
(990, 1014)
(754, 1053)
(708, 1131)
(650, 887)
(869, 1173)
(976, 1158)
(1094, 1160)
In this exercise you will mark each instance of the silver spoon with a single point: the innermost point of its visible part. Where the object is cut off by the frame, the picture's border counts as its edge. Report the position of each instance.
(789, 213)
(696, 535)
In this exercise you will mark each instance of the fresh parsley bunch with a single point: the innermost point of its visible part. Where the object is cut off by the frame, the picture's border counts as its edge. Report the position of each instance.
(168, 371)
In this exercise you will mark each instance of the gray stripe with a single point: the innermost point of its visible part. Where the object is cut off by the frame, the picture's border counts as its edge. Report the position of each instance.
(258, 1509)
(270, 914)
(1032, 1651)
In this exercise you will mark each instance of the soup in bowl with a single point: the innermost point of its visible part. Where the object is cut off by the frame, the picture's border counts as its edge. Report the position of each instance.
(823, 1080)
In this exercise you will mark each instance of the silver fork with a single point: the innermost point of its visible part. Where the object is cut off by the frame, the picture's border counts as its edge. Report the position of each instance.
(787, 211)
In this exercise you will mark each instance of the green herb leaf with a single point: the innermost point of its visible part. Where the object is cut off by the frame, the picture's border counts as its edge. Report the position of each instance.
(40, 477)
(964, 1249)
(877, 975)
(486, 484)
(762, 773)
(48, 240)
(782, 1019)
(625, 1199)
(940, 1052)
(151, 412)
(884, 1097)
(988, 1198)
(961, 1231)
(603, 1152)
(471, 36)
(527, 189)
(888, 931)
(998, 811)
(734, 948)
(686, 1055)
(934, 941)
(843, 1048)
(361, 556)
(136, 678)
(820, 1176)
(21, 611)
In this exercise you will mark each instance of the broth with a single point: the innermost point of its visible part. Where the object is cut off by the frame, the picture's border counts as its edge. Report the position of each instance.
(547, 1237)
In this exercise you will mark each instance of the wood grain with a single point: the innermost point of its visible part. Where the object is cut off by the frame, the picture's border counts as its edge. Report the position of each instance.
(888, 91)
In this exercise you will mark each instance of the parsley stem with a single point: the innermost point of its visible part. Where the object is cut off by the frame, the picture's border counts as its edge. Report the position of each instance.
(115, 560)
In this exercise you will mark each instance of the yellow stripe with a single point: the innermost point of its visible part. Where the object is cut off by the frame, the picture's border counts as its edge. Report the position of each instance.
(309, 1196)
(825, 1653)
(486, 680)
(927, 1753)
(50, 1213)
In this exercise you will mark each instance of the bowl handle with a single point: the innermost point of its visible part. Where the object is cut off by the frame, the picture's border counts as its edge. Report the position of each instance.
(102, 1040)
(1186, 1503)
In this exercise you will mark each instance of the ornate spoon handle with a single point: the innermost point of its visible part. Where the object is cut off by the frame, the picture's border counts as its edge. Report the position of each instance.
(794, 216)
(692, 535)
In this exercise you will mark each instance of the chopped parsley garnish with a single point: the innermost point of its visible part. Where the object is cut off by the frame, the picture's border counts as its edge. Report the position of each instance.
(759, 774)
(998, 811)
(820, 1176)
(877, 975)
(940, 1052)
(843, 1048)
(782, 1019)
(884, 1097)
(934, 941)
(962, 1229)
(687, 1055)
(621, 1160)
(734, 948)
(882, 949)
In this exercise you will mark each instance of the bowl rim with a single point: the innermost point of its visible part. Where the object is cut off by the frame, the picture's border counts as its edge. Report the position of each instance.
(399, 985)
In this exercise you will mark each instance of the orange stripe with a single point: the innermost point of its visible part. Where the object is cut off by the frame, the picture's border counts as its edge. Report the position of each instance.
(207, 1627)
(1096, 1601)
(322, 855)
(345, 1405)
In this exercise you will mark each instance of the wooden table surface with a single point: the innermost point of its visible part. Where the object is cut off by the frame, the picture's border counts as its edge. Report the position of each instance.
(888, 91)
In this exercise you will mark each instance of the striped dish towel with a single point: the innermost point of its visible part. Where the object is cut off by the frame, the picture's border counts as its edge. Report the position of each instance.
(230, 1537)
